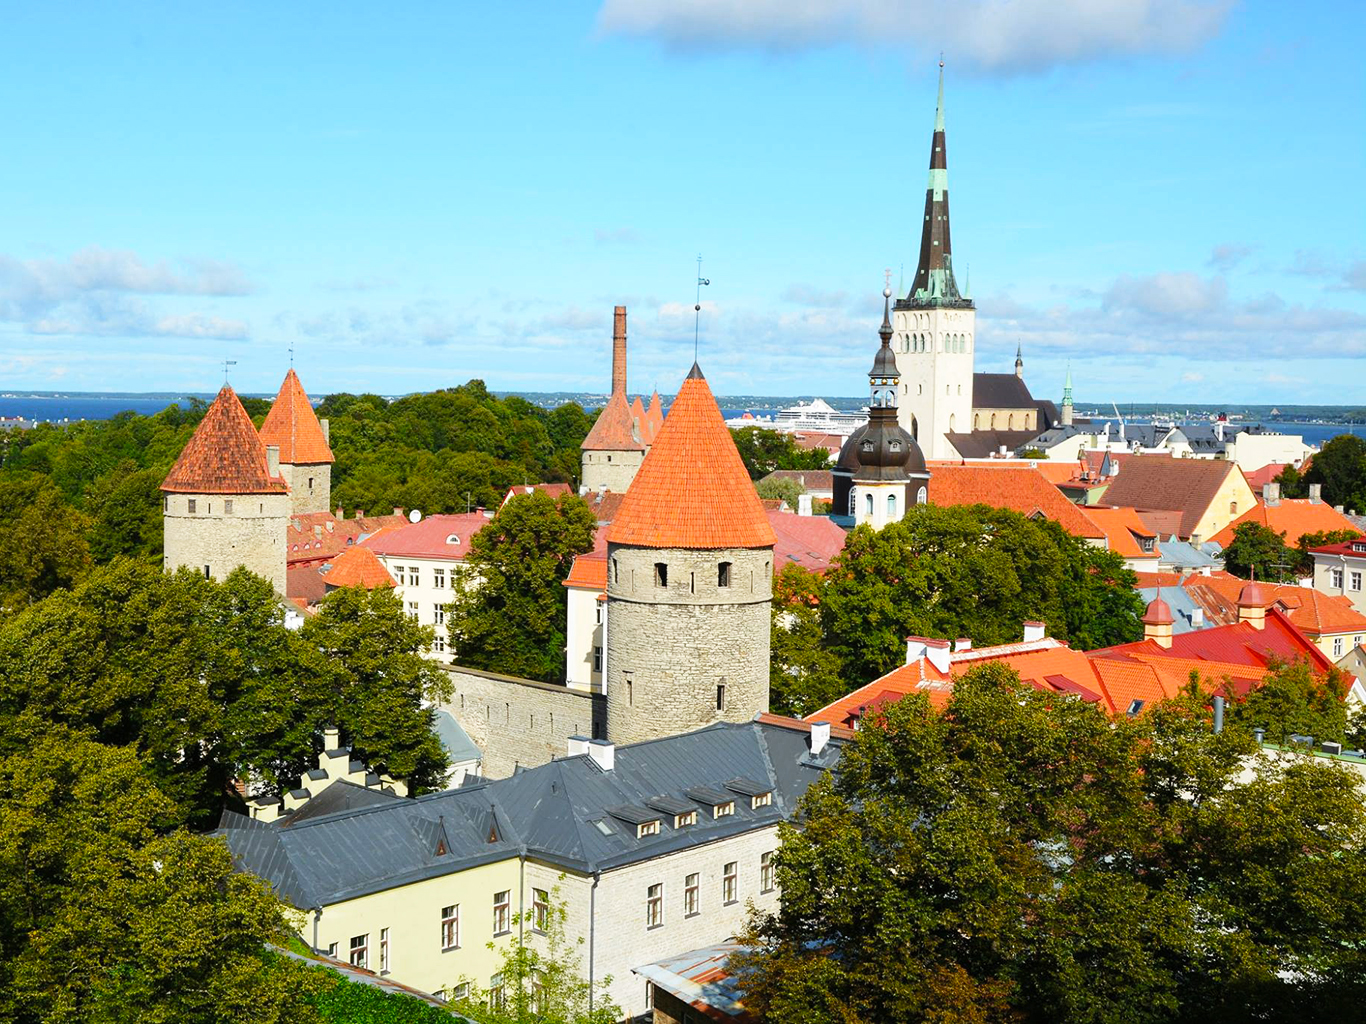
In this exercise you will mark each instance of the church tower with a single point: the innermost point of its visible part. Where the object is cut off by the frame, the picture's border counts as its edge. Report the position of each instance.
(1067, 398)
(614, 448)
(225, 503)
(302, 439)
(689, 582)
(934, 326)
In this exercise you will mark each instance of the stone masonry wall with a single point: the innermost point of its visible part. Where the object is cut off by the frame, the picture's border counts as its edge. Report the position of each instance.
(252, 535)
(612, 471)
(670, 647)
(520, 721)
(303, 500)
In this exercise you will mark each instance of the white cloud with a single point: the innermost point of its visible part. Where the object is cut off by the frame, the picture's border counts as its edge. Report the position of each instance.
(197, 325)
(1226, 257)
(1354, 277)
(1001, 36)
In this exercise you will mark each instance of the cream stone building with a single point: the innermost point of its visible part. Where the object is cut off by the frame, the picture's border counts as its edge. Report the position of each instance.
(650, 849)
(225, 503)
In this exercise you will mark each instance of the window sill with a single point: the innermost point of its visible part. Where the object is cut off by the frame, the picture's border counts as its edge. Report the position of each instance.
(449, 949)
(653, 927)
(695, 913)
(505, 931)
(729, 903)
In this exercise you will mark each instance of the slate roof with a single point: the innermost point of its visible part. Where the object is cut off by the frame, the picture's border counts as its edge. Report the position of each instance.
(1000, 391)
(459, 747)
(548, 812)
(692, 489)
(1187, 486)
(293, 425)
(224, 456)
(982, 444)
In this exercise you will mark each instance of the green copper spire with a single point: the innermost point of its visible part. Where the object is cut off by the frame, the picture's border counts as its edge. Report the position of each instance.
(1067, 385)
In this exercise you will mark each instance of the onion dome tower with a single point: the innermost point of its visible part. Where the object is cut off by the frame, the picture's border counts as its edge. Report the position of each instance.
(225, 503)
(689, 582)
(615, 447)
(881, 471)
(305, 455)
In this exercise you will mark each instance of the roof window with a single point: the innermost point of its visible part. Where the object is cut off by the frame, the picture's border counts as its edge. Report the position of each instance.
(452, 539)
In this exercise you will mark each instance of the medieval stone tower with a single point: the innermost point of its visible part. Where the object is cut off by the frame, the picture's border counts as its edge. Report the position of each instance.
(689, 582)
(305, 457)
(224, 503)
(934, 326)
(615, 447)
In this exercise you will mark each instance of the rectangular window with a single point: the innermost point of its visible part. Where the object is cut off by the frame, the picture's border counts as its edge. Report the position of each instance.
(760, 800)
(647, 828)
(165, 504)
(661, 574)
(690, 888)
(360, 950)
(398, 573)
(497, 994)
(461, 991)
(597, 659)
(597, 610)
(720, 696)
(502, 903)
(1356, 580)
(450, 927)
(654, 905)
(207, 573)
(765, 872)
(685, 819)
(724, 810)
(412, 609)
(439, 579)
(192, 506)
(1335, 574)
(439, 614)
(616, 572)
(310, 484)
(540, 909)
(332, 950)
(412, 576)
(729, 878)
(227, 506)
(1337, 647)
(439, 645)
(384, 951)
(723, 574)
(630, 690)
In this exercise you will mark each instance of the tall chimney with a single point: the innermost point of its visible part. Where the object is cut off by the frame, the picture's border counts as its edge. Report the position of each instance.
(327, 429)
(619, 351)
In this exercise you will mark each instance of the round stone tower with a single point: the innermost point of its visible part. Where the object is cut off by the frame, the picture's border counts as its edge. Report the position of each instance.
(224, 503)
(294, 429)
(689, 582)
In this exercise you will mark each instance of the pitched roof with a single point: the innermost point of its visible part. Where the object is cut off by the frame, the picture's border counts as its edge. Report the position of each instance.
(1026, 491)
(692, 490)
(224, 456)
(644, 425)
(293, 426)
(588, 572)
(1124, 531)
(1002, 391)
(305, 584)
(443, 536)
(809, 541)
(982, 444)
(1054, 472)
(552, 491)
(615, 428)
(1259, 478)
(316, 537)
(1159, 482)
(1293, 517)
(1349, 548)
(1312, 612)
(358, 566)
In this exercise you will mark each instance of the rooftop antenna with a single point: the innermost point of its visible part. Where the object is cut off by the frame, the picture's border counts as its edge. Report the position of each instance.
(697, 306)
(226, 364)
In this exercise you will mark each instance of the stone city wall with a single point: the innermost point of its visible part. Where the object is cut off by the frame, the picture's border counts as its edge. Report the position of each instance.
(251, 535)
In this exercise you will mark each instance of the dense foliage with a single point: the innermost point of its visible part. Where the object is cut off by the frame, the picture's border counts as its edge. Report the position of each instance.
(1023, 857)
(204, 681)
(961, 571)
(85, 493)
(1339, 468)
(1259, 551)
(351, 1002)
(1292, 700)
(508, 612)
(763, 451)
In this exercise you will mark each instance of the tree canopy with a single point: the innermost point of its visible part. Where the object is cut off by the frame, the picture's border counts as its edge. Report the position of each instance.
(763, 450)
(508, 612)
(1022, 857)
(1339, 468)
(1261, 551)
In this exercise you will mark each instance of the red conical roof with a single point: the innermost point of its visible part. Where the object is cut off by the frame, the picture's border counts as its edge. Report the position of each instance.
(1158, 613)
(613, 430)
(692, 490)
(225, 455)
(293, 426)
(358, 565)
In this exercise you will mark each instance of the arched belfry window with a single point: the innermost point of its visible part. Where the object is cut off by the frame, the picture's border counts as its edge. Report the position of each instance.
(920, 496)
(868, 503)
(891, 505)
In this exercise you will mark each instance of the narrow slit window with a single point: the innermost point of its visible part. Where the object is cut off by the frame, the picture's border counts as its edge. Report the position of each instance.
(723, 574)
(661, 574)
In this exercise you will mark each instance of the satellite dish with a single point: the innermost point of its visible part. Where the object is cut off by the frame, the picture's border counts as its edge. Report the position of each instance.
(414, 516)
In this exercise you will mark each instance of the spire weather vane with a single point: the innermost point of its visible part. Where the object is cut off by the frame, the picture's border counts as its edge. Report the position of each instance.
(697, 306)
(226, 364)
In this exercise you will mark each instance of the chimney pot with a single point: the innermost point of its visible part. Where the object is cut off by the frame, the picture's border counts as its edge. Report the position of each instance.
(964, 644)
(937, 651)
(915, 648)
(360, 513)
(1271, 493)
(398, 511)
(1316, 493)
(1034, 631)
(804, 505)
(317, 530)
(341, 512)
(820, 736)
(578, 745)
(273, 459)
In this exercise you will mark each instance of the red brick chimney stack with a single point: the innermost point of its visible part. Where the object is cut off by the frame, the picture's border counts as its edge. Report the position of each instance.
(619, 351)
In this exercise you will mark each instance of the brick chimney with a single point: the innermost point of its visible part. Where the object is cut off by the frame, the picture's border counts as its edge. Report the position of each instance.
(619, 350)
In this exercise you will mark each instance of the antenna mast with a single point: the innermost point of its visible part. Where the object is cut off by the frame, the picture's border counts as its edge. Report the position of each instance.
(697, 307)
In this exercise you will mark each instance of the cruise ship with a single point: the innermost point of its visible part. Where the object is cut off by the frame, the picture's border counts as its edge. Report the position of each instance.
(814, 417)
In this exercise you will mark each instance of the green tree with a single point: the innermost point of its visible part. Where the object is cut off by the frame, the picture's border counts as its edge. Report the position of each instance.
(1291, 699)
(1292, 483)
(1340, 468)
(1319, 538)
(105, 917)
(542, 979)
(1260, 550)
(1025, 858)
(44, 547)
(804, 675)
(508, 614)
(125, 509)
(763, 451)
(788, 491)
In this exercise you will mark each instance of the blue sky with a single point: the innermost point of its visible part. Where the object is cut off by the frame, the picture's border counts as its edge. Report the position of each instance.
(1166, 192)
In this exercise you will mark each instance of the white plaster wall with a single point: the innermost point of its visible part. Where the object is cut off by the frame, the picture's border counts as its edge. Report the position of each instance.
(583, 633)
(936, 385)
(425, 593)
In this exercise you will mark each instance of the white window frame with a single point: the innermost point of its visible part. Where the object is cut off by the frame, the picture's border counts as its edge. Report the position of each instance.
(654, 905)
(438, 579)
(450, 927)
(540, 910)
(384, 951)
(502, 912)
(730, 883)
(1355, 579)
(760, 800)
(1335, 578)
(358, 954)
(724, 810)
(438, 614)
(766, 872)
(1337, 647)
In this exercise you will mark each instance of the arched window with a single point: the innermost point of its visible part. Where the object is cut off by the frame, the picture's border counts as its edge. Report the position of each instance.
(976, 422)
(853, 502)
(1233, 508)
(952, 427)
(920, 496)
(891, 505)
(868, 502)
(993, 421)
(1010, 422)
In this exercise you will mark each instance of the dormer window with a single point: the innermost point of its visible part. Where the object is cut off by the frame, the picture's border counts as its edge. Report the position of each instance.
(760, 800)
(685, 819)
(867, 446)
(453, 539)
(647, 828)
(894, 446)
(724, 810)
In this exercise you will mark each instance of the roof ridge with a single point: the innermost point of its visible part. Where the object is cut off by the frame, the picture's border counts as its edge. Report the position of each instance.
(224, 455)
(295, 431)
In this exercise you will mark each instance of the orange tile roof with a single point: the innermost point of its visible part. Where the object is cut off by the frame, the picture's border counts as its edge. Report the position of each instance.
(358, 566)
(293, 426)
(305, 545)
(1123, 529)
(588, 572)
(1159, 482)
(655, 414)
(552, 491)
(1258, 478)
(224, 456)
(1024, 490)
(1293, 517)
(614, 430)
(692, 490)
(1313, 612)
(1053, 472)
(644, 427)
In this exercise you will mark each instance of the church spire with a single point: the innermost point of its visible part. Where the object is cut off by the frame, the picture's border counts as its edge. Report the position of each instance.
(1019, 360)
(934, 284)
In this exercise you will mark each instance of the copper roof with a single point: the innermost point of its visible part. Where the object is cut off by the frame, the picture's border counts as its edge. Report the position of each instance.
(225, 455)
(692, 490)
(293, 426)
(615, 429)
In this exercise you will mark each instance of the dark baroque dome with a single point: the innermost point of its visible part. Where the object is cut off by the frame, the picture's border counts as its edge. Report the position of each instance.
(881, 450)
